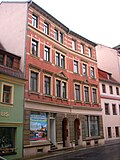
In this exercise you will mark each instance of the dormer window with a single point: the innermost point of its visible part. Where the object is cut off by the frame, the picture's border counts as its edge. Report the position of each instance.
(9, 62)
(1, 58)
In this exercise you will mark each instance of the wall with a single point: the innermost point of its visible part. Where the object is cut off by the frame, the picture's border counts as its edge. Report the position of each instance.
(13, 18)
(108, 60)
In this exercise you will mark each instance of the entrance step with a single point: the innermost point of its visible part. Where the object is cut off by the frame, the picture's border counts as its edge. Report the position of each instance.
(53, 147)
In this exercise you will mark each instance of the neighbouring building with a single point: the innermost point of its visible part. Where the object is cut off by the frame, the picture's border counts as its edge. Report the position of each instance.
(11, 106)
(62, 98)
(109, 60)
(110, 102)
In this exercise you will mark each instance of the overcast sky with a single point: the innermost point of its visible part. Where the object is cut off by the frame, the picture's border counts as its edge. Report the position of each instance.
(96, 20)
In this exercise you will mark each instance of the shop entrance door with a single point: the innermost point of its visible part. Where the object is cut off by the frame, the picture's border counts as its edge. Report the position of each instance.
(52, 131)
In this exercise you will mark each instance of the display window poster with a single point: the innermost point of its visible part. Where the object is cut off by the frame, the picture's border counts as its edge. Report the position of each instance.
(38, 127)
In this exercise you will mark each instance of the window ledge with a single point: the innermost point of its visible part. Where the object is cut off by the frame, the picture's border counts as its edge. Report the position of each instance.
(62, 99)
(47, 61)
(47, 95)
(6, 104)
(78, 101)
(33, 92)
(32, 55)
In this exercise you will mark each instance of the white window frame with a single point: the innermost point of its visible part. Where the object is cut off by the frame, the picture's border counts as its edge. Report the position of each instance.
(12, 92)
(96, 95)
(61, 81)
(36, 71)
(38, 54)
(51, 84)
(36, 20)
(79, 93)
(88, 93)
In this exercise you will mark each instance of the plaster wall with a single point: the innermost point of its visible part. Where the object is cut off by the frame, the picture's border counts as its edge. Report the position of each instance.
(13, 18)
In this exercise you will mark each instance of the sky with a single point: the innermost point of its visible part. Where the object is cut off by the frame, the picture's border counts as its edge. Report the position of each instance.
(96, 20)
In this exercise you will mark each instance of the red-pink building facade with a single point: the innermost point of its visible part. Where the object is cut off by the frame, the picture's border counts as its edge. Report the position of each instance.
(62, 88)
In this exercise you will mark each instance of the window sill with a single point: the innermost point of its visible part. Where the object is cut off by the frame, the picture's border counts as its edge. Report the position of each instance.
(87, 102)
(33, 92)
(6, 104)
(93, 78)
(78, 101)
(47, 61)
(37, 57)
(62, 99)
(47, 95)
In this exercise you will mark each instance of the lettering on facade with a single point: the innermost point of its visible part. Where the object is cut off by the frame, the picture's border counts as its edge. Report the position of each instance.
(4, 114)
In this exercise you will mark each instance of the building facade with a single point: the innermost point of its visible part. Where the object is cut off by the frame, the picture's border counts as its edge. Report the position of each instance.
(105, 54)
(11, 106)
(62, 98)
(110, 102)
(62, 91)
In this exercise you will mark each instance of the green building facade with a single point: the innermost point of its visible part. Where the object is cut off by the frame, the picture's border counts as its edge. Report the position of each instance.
(11, 106)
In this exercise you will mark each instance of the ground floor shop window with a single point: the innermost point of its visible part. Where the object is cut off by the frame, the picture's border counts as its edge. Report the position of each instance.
(7, 140)
(92, 126)
(38, 126)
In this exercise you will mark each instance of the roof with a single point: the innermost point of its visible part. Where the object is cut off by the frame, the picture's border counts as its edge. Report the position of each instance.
(54, 20)
(106, 77)
(11, 72)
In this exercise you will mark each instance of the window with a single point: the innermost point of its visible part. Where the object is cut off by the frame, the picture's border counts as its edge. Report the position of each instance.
(89, 52)
(119, 109)
(46, 28)
(7, 93)
(1, 58)
(94, 95)
(7, 140)
(34, 21)
(111, 89)
(117, 131)
(34, 81)
(58, 88)
(117, 90)
(56, 34)
(47, 53)
(84, 69)
(107, 110)
(86, 94)
(61, 37)
(109, 132)
(38, 126)
(92, 126)
(92, 72)
(61, 89)
(75, 66)
(60, 60)
(9, 62)
(47, 83)
(73, 44)
(82, 48)
(103, 88)
(114, 109)
(77, 92)
(34, 47)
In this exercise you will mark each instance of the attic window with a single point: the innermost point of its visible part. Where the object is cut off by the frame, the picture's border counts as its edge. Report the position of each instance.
(1, 58)
(109, 76)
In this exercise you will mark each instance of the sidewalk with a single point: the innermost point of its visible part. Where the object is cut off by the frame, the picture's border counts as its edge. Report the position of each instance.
(65, 150)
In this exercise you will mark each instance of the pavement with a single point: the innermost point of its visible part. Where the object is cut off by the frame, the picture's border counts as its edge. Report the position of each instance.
(62, 151)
